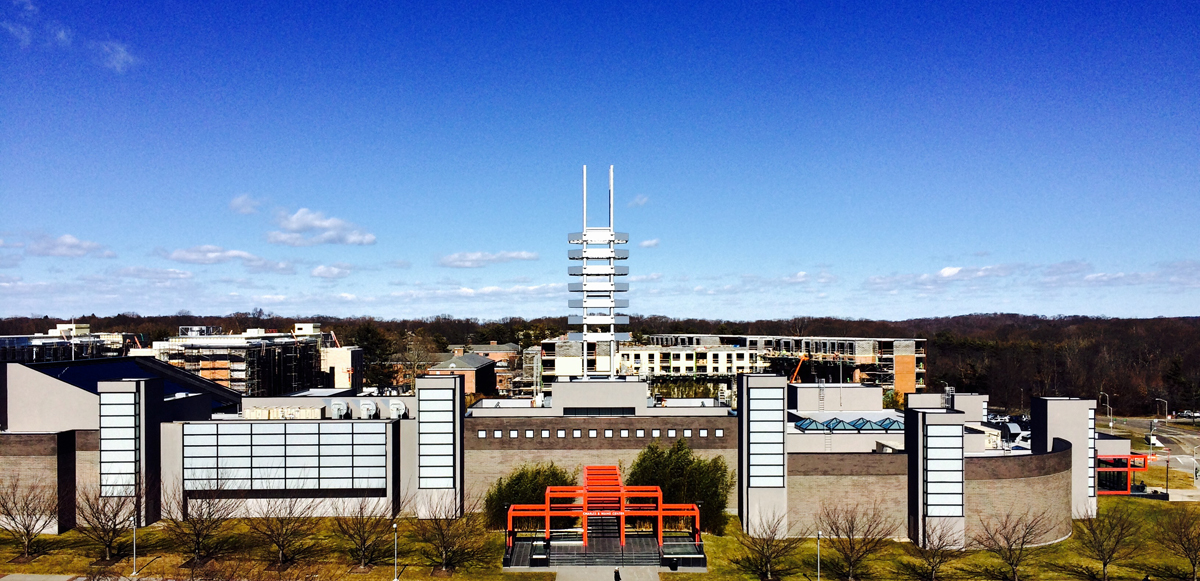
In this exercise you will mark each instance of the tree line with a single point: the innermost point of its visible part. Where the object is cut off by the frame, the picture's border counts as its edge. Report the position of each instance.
(1013, 358)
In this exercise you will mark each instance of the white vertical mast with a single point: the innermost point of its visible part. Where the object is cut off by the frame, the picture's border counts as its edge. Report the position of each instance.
(598, 287)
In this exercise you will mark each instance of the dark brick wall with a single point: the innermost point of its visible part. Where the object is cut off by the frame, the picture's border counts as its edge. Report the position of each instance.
(87, 440)
(472, 441)
(1024, 466)
(28, 444)
(864, 464)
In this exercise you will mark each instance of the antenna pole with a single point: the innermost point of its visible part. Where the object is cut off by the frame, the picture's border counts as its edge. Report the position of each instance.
(585, 197)
(610, 196)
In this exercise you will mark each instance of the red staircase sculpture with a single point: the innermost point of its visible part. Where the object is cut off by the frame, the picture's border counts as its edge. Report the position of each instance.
(603, 495)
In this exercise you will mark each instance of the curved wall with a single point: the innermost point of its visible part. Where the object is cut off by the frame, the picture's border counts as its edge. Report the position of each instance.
(1000, 485)
(862, 478)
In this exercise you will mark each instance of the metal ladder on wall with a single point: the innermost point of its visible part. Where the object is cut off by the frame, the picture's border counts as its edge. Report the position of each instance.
(820, 395)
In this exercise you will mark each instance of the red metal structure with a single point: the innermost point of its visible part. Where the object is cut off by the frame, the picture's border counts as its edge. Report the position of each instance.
(603, 495)
(1122, 463)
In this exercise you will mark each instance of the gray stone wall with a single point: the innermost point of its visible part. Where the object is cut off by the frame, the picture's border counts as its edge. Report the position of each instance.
(817, 480)
(1001, 485)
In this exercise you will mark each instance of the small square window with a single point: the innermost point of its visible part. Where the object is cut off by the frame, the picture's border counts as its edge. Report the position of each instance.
(719, 433)
(545, 433)
(655, 433)
(576, 433)
(591, 433)
(512, 433)
(703, 433)
(670, 433)
(497, 434)
(607, 433)
(641, 433)
(482, 433)
(624, 433)
(528, 433)
(687, 433)
(562, 433)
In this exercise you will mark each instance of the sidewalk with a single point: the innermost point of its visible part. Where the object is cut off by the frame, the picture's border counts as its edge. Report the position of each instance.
(605, 573)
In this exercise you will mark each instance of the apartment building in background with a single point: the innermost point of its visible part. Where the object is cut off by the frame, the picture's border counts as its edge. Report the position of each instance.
(262, 362)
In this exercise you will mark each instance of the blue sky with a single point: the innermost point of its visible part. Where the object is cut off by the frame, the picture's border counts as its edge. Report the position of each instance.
(888, 160)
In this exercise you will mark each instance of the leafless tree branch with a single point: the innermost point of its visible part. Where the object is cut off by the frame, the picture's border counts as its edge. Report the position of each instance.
(26, 510)
(857, 534)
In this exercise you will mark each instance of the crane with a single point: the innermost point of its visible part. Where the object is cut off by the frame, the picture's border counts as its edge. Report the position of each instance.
(803, 358)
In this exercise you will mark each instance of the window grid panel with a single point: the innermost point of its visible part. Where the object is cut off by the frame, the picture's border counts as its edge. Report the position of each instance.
(943, 478)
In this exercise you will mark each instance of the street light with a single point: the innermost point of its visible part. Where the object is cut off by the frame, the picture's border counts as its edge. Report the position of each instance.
(1107, 401)
(818, 555)
(1165, 408)
(133, 523)
(395, 553)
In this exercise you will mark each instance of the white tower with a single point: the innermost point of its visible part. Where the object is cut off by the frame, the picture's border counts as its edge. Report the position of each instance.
(598, 287)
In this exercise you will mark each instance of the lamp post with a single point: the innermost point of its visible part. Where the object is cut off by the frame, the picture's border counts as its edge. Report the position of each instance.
(395, 553)
(133, 523)
(1107, 401)
(818, 555)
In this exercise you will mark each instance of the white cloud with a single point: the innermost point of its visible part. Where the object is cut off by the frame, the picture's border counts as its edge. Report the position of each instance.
(10, 260)
(487, 292)
(4, 244)
(323, 229)
(209, 254)
(481, 259)
(60, 35)
(638, 202)
(339, 270)
(652, 277)
(115, 55)
(20, 32)
(651, 243)
(244, 204)
(145, 273)
(66, 245)
(27, 7)
(400, 264)
(798, 278)
(970, 277)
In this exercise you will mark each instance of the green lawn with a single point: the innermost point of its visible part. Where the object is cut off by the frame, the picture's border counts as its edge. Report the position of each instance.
(71, 554)
(1053, 563)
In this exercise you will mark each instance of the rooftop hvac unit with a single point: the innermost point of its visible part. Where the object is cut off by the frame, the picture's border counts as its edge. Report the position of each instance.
(339, 409)
(398, 409)
(367, 409)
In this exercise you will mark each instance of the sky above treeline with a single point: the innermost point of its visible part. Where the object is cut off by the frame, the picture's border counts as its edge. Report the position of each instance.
(398, 160)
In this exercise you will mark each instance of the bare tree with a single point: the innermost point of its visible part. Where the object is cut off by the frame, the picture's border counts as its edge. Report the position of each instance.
(415, 355)
(105, 519)
(1110, 536)
(26, 510)
(1013, 539)
(767, 551)
(941, 546)
(449, 538)
(366, 525)
(199, 521)
(286, 525)
(857, 534)
(1179, 532)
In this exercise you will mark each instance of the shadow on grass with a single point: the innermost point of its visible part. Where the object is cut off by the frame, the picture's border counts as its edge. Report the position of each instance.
(1076, 571)
(1159, 571)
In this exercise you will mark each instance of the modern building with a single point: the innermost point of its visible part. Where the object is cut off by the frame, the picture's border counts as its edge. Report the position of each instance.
(477, 371)
(893, 363)
(65, 342)
(261, 362)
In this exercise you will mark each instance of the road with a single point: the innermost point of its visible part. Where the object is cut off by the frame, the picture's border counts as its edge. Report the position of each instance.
(1182, 442)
